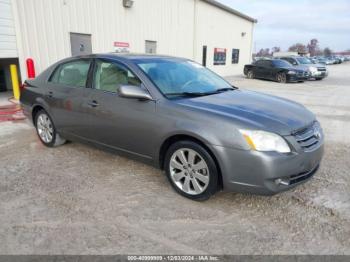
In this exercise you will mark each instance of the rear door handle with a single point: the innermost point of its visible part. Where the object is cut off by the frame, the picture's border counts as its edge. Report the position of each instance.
(93, 103)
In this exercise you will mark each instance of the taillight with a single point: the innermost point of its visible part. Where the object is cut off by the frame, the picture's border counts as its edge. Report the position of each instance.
(24, 85)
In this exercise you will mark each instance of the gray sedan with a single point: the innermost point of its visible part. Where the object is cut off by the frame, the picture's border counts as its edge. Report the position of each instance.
(179, 116)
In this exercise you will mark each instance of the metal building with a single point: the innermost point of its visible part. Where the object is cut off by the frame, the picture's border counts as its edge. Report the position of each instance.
(49, 30)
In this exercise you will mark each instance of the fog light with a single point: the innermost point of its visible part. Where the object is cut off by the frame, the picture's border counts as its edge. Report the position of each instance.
(280, 181)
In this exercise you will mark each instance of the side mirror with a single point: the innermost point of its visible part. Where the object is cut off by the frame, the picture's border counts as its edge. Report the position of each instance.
(135, 92)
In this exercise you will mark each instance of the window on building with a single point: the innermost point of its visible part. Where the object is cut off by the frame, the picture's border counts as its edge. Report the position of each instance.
(235, 56)
(110, 76)
(73, 74)
(150, 47)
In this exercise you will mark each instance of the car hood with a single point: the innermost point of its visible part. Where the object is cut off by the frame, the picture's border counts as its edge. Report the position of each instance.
(318, 65)
(254, 110)
(303, 67)
(307, 66)
(293, 68)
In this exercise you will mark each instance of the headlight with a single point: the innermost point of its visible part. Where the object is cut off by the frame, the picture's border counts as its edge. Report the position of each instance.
(265, 141)
(312, 69)
(291, 72)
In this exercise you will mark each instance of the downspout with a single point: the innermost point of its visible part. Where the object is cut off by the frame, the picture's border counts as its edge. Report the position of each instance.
(251, 43)
(194, 47)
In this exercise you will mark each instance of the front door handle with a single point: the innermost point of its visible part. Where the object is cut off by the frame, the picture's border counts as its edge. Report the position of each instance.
(50, 94)
(93, 103)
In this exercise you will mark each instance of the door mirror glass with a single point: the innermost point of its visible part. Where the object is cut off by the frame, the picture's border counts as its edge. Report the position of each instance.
(135, 92)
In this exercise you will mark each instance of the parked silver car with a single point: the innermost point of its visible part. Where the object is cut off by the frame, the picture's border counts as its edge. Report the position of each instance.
(316, 71)
(177, 115)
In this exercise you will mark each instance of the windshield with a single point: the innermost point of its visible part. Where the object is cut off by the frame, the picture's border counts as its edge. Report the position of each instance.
(180, 77)
(303, 60)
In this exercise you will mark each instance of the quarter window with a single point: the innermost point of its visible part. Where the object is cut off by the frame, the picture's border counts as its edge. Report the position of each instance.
(109, 76)
(72, 74)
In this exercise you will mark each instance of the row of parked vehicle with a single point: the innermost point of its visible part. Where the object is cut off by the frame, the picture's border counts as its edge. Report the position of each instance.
(286, 69)
(329, 60)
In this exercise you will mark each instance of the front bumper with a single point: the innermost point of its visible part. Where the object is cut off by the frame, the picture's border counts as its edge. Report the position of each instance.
(296, 78)
(299, 76)
(319, 74)
(266, 173)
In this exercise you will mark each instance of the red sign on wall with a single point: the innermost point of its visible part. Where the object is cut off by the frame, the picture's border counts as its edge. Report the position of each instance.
(121, 44)
(219, 56)
(121, 47)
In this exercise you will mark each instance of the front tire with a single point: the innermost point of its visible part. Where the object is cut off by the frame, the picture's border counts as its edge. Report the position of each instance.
(46, 130)
(281, 78)
(250, 74)
(191, 170)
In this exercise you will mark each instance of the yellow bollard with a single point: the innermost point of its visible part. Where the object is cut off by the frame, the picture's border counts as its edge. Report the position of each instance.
(15, 82)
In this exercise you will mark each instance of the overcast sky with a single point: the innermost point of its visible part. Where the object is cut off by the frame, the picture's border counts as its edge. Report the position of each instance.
(285, 22)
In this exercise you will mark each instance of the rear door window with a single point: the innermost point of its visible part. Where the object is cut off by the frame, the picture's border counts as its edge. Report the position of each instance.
(259, 62)
(265, 63)
(72, 74)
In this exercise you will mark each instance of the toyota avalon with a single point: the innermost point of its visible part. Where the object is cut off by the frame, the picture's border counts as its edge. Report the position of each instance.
(179, 116)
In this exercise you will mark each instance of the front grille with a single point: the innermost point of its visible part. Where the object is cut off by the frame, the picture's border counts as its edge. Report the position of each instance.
(308, 138)
(303, 74)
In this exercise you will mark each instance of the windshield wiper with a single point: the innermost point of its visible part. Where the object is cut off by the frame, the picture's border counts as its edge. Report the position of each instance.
(188, 94)
(196, 94)
(225, 89)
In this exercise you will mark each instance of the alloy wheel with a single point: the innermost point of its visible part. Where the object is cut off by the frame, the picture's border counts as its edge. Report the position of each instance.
(45, 128)
(250, 75)
(281, 78)
(189, 171)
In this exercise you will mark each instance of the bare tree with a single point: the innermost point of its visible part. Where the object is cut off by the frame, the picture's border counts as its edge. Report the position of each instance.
(313, 47)
(327, 51)
(264, 52)
(298, 47)
(276, 49)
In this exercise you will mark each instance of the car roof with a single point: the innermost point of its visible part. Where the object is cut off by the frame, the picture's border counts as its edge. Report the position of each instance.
(130, 56)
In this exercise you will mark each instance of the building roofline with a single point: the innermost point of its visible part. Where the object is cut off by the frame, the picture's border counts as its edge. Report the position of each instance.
(230, 10)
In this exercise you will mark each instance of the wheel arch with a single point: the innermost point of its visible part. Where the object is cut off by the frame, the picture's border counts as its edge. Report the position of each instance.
(35, 110)
(40, 104)
(186, 137)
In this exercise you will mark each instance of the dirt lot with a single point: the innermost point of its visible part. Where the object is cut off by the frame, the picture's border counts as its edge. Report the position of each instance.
(78, 200)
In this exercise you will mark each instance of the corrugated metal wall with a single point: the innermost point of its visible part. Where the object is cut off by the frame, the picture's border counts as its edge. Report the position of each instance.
(43, 28)
(217, 28)
(8, 47)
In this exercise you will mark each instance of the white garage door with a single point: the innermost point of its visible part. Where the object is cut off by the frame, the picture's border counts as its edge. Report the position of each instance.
(8, 47)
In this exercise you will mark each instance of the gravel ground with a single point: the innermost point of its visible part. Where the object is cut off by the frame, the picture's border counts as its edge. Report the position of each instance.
(79, 200)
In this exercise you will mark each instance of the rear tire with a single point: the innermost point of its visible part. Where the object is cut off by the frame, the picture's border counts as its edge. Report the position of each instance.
(191, 170)
(46, 130)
